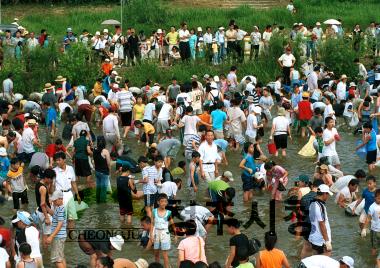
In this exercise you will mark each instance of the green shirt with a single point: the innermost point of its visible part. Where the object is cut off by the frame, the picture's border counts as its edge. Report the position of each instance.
(218, 185)
(246, 265)
(80, 146)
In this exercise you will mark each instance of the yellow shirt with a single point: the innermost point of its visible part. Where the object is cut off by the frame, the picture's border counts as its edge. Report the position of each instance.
(173, 38)
(97, 91)
(214, 47)
(139, 111)
(148, 128)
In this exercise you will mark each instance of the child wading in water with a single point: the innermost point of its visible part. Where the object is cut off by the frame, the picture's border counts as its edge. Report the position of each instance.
(160, 229)
(125, 187)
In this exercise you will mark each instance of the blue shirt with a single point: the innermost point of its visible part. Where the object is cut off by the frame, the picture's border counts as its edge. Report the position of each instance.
(106, 84)
(4, 167)
(218, 118)
(249, 163)
(296, 98)
(371, 144)
(369, 198)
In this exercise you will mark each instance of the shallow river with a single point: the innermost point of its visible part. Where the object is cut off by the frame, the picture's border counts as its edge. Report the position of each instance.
(345, 230)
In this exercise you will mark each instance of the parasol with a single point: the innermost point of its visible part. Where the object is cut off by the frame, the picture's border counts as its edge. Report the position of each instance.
(332, 22)
(111, 22)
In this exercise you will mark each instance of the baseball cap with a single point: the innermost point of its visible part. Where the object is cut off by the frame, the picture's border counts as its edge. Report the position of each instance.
(22, 216)
(347, 260)
(323, 188)
(259, 175)
(228, 174)
(56, 195)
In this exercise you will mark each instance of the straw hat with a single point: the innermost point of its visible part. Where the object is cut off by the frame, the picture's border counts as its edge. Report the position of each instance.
(60, 78)
(250, 99)
(105, 31)
(117, 242)
(48, 86)
(159, 31)
(305, 94)
(97, 33)
(281, 111)
(32, 122)
(325, 167)
(221, 28)
(141, 263)
(343, 77)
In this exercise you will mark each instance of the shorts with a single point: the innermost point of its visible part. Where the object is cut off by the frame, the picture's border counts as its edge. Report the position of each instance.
(247, 182)
(23, 196)
(82, 168)
(126, 206)
(149, 200)
(304, 123)
(334, 160)
(375, 239)
(319, 249)
(239, 138)
(218, 134)
(126, 119)
(371, 157)
(161, 239)
(45, 229)
(281, 141)
(162, 126)
(57, 252)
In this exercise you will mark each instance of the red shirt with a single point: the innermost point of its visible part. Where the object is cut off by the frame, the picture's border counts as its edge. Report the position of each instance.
(52, 149)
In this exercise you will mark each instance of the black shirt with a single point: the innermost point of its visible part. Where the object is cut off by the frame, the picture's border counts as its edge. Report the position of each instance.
(38, 196)
(4, 106)
(241, 243)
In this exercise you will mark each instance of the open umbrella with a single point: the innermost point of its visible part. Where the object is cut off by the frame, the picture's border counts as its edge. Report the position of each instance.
(111, 22)
(332, 22)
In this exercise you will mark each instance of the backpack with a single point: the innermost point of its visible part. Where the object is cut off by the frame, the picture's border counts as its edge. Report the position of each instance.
(215, 99)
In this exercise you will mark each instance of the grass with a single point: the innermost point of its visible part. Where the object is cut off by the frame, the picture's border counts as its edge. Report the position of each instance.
(152, 14)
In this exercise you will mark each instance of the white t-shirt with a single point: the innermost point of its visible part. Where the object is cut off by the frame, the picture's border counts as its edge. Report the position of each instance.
(184, 33)
(190, 122)
(27, 140)
(169, 188)
(329, 111)
(320, 261)
(374, 212)
(251, 122)
(62, 106)
(329, 150)
(341, 91)
(281, 125)
(4, 257)
(287, 60)
(341, 183)
(165, 112)
(185, 96)
(347, 195)
(33, 239)
(209, 154)
(348, 106)
(196, 99)
(315, 215)
(199, 214)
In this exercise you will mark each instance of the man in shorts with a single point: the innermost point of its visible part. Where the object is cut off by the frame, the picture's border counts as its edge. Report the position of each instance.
(163, 118)
(168, 149)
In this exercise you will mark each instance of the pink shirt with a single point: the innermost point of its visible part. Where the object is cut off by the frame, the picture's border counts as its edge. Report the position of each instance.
(190, 246)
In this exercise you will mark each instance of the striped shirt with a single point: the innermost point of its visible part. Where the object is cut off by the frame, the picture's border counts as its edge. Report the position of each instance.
(125, 99)
(59, 216)
(153, 176)
(189, 145)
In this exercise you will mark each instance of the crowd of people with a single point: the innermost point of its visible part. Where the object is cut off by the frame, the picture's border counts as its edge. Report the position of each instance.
(204, 117)
(184, 43)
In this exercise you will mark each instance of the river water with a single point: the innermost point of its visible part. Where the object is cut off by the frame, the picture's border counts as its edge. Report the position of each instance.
(345, 231)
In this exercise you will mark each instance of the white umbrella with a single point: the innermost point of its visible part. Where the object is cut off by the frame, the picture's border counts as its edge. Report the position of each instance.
(111, 22)
(332, 22)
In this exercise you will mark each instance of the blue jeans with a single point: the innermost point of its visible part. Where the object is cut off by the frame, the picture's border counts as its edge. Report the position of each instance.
(102, 181)
(310, 49)
(222, 52)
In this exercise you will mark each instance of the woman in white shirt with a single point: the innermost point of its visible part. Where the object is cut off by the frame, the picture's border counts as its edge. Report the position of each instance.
(280, 131)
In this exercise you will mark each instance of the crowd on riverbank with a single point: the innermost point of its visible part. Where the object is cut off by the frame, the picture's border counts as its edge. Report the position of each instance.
(205, 116)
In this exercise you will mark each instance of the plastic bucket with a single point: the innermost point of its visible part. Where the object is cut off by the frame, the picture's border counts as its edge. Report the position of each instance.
(272, 148)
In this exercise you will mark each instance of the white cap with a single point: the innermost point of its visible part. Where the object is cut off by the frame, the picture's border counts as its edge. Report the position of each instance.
(69, 30)
(257, 110)
(199, 29)
(159, 31)
(216, 79)
(107, 60)
(323, 188)
(206, 76)
(213, 85)
(105, 31)
(347, 260)
(22, 216)
(97, 33)
(221, 28)
(56, 195)
(117, 242)
(318, 23)
(114, 73)
(228, 174)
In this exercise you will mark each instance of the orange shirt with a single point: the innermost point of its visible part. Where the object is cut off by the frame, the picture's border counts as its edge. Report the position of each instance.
(107, 68)
(205, 117)
(271, 259)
